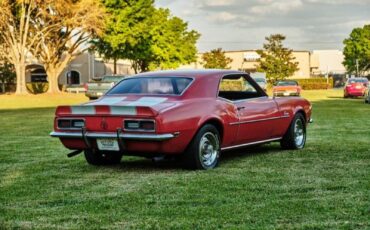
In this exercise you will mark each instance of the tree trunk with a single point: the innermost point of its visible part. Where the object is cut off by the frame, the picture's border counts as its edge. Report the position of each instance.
(114, 65)
(20, 70)
(53, 75)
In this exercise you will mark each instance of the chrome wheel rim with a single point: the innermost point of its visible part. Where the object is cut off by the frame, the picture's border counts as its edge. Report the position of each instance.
(208, 149)
(299, 135)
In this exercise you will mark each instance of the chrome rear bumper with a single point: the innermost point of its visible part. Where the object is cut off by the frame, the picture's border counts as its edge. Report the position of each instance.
(126, 136)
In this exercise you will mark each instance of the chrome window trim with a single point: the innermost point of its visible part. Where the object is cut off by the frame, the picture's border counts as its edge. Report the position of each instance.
(158, 95)
(259, 90)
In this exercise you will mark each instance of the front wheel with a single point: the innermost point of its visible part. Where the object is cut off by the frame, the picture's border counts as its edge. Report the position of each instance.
(95, 157)
(295, 137)
(203, 151)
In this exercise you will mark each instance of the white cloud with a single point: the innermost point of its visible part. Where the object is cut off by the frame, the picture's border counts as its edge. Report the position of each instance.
(243, 24)
(339, 2)
(222, 17)
(276, 7)
(218, 2)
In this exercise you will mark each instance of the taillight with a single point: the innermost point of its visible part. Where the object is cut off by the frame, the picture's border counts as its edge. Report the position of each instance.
(139, 125)
(67, 123)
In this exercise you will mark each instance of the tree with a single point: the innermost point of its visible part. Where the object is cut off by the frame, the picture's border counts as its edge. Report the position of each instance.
(216, 59)
(7, 74)
(275, 60)
(15, 21)
(357, 51)
(71, 25)
(151, 38)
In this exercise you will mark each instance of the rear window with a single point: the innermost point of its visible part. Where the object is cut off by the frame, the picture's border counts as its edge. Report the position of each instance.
(151, 85)
(260, 80)
(361, 80)
(287, 83)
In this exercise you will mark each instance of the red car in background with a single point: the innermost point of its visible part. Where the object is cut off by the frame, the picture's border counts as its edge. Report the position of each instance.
(286, 88)
(355, 87)
(190, 115)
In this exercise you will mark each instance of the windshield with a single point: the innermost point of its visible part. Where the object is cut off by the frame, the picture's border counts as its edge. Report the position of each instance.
(151, 85)
(287, 83)
(260, 80)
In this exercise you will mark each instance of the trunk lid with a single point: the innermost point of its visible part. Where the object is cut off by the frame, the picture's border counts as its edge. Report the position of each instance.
(132, 106)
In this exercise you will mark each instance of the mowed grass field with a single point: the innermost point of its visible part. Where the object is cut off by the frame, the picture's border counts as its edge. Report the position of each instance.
(324, 186)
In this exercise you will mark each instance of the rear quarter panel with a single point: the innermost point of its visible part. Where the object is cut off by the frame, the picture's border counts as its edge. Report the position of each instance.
(289, 106)
(188, 116)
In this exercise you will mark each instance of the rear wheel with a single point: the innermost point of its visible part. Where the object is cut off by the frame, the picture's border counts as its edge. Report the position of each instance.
(95, 157)
(295, 137)
(203, 151)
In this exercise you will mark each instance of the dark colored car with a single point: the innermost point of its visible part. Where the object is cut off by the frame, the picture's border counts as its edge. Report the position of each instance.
(96, 89)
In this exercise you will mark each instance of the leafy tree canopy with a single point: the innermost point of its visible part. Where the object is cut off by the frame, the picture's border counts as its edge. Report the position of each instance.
(276, 60)
(216, 59)
(151, 38)
(357, 51)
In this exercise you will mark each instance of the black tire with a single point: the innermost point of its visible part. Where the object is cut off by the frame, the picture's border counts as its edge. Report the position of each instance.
(204, 150)
(295, 137)
(95, 157)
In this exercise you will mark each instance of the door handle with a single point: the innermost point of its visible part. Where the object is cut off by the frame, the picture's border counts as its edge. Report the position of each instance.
(240, 108)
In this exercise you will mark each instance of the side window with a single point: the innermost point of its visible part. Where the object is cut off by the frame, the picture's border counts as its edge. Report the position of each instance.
(237, 87)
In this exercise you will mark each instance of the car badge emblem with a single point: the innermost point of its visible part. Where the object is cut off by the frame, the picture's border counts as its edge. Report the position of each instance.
(104, 124)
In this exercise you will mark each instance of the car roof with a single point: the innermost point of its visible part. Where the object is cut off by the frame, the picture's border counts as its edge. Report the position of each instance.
(189, 73)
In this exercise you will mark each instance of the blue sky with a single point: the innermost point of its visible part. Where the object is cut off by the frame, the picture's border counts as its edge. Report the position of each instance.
(243, 24)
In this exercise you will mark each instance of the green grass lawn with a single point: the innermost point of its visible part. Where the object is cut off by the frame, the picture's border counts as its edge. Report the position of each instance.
(324, 186)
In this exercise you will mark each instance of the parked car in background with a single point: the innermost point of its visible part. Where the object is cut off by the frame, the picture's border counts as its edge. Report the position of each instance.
(286, 88)
(260, 78)
(261, 81)
(367, 94)
(190, 115)
(355, 87)
(96, 89)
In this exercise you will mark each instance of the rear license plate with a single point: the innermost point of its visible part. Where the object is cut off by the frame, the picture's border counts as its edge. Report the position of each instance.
(286, 93)
(99, 94)
(107, 144)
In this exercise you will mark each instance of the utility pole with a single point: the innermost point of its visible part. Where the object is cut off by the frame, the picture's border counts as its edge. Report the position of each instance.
(357, 73)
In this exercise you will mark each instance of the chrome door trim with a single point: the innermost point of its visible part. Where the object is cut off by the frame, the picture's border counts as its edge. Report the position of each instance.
(251, 143)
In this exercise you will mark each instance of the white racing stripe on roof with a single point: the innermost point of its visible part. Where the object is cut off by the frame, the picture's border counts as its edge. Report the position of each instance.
(83, 110)
(123, 110)
(148, 101)
(108, 101)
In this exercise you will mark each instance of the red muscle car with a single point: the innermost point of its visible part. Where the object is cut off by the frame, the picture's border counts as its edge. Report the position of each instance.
(355, 87)
(287, 88)
(193, 115)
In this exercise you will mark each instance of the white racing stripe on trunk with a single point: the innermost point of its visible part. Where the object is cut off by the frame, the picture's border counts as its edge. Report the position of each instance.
(83, 110)
(123, 110)
(148, 101)
(108, 101)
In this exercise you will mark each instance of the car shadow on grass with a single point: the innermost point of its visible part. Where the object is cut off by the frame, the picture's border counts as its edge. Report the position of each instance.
(250, 151)
(144, 164)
